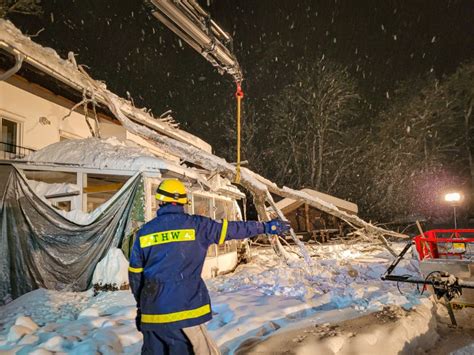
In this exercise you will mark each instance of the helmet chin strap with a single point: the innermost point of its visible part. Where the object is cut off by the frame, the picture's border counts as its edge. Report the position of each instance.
(163, 203)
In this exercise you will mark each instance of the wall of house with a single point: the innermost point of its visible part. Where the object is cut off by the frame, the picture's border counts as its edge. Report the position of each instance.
(40, 120)
(223, 263)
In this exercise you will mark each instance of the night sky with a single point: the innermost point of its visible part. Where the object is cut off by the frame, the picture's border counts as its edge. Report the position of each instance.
(381, 42)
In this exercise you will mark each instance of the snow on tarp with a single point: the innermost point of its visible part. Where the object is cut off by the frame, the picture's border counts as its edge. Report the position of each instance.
(41, 248)
(110, 153)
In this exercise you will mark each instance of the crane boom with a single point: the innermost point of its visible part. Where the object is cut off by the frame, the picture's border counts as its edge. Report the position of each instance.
(188, 20)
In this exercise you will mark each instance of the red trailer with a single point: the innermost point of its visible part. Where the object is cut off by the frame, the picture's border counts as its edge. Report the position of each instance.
(450, 251)
(457, 244)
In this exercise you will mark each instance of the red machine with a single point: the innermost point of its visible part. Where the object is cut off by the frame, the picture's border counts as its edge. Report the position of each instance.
(446, 244)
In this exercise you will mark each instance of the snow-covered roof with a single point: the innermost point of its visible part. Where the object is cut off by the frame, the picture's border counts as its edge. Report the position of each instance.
(110, 153)
(48, 61)
(289, 204)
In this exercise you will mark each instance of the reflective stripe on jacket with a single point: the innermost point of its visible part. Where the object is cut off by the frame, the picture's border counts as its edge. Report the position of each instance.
(166, 263)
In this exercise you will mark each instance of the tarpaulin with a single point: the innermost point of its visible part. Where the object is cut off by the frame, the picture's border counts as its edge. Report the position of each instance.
(41, 248)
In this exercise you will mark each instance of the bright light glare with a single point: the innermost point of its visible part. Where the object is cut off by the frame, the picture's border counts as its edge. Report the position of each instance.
(452, 197)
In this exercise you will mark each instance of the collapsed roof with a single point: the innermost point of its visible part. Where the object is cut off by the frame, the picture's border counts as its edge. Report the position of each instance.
(63, 77)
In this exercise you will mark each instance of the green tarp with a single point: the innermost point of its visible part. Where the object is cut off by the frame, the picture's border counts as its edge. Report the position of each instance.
(41, 248)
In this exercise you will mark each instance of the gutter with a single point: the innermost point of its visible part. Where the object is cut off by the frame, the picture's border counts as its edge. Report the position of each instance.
(13, 70)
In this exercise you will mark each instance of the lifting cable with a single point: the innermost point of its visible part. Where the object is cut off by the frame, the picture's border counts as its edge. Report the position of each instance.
(239, 94)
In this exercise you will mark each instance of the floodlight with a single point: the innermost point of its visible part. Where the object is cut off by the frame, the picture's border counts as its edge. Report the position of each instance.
(452, 197)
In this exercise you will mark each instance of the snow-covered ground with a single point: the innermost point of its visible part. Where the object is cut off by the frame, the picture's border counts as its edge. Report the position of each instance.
(260, 299)
(266, 295)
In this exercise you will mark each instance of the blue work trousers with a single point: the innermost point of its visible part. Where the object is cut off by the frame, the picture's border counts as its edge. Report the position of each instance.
(169, 342)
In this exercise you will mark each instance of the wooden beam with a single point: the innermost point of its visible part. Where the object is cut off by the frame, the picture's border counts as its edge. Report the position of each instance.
(306, 216)
(63, 194)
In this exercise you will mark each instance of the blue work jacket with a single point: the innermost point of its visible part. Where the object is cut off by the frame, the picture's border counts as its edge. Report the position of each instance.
(166, 263)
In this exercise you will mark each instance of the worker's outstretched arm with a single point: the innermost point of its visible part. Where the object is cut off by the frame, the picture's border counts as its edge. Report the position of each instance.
(135, 270)
(219, 232)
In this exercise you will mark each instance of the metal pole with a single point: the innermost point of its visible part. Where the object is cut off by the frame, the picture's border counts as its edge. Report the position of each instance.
(455, 222)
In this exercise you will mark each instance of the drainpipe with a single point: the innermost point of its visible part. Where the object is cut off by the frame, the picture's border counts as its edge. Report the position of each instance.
(18, 62)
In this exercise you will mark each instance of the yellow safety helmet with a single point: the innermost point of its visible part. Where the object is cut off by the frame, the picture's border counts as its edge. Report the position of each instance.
(172, 190)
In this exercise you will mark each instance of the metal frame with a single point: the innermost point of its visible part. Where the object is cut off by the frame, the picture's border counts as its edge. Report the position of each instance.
(444, 285)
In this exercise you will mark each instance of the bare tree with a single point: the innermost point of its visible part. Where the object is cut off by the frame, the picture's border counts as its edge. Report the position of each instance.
(310, 121)
(421, 148)
(25, 7)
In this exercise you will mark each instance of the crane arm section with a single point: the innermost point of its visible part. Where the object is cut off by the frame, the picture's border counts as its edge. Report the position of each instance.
(190, 22)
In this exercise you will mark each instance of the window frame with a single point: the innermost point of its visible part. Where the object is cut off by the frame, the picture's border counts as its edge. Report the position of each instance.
(19, 129)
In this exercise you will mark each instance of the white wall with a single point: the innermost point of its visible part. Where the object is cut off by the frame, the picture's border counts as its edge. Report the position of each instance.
(26, 108)
(214, 266)
(109, 129)
(21, 106)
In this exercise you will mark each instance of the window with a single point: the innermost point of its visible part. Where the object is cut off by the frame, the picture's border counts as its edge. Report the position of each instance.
(9, 135)
(64, 205)
(224, 209)
(202, 205)
(101, 188)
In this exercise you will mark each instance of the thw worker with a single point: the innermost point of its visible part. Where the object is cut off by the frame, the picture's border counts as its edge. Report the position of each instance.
(165, 272)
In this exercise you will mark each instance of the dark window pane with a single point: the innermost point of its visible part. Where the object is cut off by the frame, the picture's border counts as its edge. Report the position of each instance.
(9, 135)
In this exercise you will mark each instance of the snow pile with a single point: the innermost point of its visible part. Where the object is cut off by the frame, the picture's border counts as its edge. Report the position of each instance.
(467, 350)
(390, 331)
(44, 189)
(399, 333)
(74, 323)
(112, 270)
(267, 294)
(111, 153)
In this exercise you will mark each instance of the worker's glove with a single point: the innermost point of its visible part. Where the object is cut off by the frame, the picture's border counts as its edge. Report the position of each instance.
(138, 319)
(276, 226)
